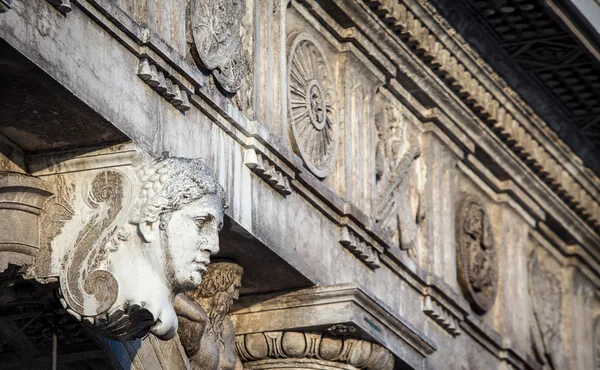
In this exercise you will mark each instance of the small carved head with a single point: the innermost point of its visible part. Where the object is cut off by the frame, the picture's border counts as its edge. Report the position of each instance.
(220, 287)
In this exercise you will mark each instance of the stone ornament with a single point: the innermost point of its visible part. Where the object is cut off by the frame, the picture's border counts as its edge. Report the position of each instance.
(205, 328)
(135, 241)
(395, 154)
(477, 261)
(216, 31)
(312, 105)
(546, 301)
(308, 350)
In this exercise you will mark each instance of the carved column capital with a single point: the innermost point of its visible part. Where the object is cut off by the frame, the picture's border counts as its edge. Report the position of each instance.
(310, 350)
(21, 200)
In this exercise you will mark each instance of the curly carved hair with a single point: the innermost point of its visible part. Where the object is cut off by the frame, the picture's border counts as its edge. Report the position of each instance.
(217, 279)
(170, 182)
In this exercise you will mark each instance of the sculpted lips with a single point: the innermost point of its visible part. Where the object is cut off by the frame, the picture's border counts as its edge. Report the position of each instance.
(200, 263)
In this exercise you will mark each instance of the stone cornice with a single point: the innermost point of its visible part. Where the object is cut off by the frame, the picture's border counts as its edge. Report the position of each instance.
(497, 105)
(348, 303)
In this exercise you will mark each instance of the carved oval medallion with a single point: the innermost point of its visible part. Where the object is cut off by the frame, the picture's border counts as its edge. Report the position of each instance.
(217, 41)
(311, 102)
(476, 256)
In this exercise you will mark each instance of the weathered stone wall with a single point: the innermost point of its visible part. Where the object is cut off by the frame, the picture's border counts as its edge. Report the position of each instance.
(348, 136)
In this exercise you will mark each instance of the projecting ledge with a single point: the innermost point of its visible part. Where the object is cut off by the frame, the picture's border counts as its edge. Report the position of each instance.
(338, 310)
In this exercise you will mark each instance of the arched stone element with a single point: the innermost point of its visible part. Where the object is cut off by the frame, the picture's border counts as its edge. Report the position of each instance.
(309, 350)
(21, 200)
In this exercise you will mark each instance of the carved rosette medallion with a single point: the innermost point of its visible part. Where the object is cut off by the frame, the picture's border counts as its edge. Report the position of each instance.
(477, 260)
(312, 105)
(218, 44)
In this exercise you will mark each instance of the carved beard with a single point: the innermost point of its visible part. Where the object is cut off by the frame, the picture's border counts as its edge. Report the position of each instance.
(220, 305)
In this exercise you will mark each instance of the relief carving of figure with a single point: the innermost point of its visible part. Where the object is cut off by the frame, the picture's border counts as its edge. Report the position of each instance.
(546, 301)
(477, 260)
(216, 30)
(146, 237)
(395, 155)
(205, 329)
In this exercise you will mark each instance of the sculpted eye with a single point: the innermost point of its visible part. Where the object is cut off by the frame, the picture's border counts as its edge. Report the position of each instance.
(200, 222)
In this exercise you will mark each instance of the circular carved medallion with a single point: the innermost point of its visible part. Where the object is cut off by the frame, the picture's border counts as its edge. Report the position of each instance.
(311, 102)
(476, 256)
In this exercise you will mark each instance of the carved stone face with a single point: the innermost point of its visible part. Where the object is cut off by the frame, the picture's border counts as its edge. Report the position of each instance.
(234, 291)
(192, 235)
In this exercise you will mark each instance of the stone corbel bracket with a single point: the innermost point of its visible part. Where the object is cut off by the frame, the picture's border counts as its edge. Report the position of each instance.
(320, 309)
(363, 250)
(442, 315)
(267, 170)
(21, 201)
(164, 84)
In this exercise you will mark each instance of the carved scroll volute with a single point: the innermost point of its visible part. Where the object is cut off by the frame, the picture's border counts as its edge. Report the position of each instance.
(21, 200)
(87, 290)
(476, 255)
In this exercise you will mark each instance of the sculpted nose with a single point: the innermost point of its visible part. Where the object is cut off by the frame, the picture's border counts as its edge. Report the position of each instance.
(212, 245)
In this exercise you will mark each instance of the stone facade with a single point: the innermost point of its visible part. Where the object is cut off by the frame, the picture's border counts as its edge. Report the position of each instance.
(372, 193)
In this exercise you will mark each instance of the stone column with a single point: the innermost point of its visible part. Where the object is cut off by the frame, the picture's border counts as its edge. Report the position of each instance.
(310, 350)
(21, 200)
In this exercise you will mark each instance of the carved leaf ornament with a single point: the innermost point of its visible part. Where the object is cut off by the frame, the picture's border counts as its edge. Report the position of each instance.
(477, 260)
(312, 105)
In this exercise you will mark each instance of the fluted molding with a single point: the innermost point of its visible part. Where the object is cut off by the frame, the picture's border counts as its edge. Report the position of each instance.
(268, 349)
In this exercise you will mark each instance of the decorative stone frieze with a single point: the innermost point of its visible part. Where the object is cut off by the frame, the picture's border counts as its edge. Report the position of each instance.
(546, 301)
(205, 329)
(268, 171)
(407, 25)
(167, 86)
(476, 256)
(21, 202)
(138, 237)
(312, 105)
(298, 350)
(363, 250)
(216, 27)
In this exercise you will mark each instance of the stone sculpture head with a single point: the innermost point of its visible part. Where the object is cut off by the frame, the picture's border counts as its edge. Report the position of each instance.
(216, 294)
(180, 210)
(160, 245)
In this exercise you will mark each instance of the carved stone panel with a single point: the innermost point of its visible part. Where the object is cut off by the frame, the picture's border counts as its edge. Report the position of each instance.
(312, 105)
(476, 255)
(217, 40)
(395, 154)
